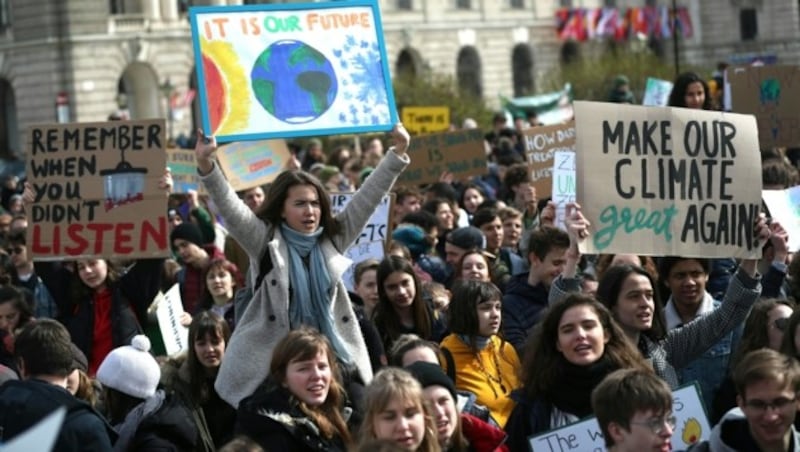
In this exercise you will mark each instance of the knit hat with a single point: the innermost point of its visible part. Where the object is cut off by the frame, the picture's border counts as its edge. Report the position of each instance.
(131, 369)
(364, 174)
(79, 360)
(412, 237)
(466, 238)
(189, 232)
(327, 172)
(430, 374)
(620, 80)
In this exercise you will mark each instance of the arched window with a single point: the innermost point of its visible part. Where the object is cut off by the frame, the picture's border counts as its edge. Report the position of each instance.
(140, 86)
(9, 133)
(406, 65)
(469, 72)
(522, 70)
(570, 52)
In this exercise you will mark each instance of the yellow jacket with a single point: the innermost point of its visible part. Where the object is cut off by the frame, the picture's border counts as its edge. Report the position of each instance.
(479, 373)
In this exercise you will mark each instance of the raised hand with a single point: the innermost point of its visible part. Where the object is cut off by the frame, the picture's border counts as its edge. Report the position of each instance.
(204, 151)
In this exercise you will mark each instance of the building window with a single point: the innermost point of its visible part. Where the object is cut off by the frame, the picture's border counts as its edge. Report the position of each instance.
(405, 5)
(463, 4)
(5, 15)
(610, 3)
(748, 24)
(565, 3)
(516, 4)
(469, 72)
(522, 70)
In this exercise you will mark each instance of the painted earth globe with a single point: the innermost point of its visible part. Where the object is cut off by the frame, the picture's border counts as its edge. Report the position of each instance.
(293, 81)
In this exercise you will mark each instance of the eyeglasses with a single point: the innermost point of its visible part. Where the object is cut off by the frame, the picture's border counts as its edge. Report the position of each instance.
(15, 250)
(781, 323)
(761, 406)
(657, 425)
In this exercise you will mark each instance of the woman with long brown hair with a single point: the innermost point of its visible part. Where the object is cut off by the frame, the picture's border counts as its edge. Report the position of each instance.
(300, 406)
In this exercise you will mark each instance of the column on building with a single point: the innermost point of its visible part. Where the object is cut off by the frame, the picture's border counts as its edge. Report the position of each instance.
(169, 10)
(151, 9)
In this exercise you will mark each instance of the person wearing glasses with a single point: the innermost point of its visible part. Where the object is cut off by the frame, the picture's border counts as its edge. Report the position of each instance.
(764, 328)
(634, 410)
(767, 383)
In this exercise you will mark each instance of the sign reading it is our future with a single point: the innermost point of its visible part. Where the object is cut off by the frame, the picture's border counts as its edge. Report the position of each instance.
(668, 181)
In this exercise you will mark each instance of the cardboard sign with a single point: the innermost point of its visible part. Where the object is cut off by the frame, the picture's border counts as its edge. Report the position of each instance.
(784, 206)
(563, 184)
(249, 164)
(541, 143)
(96, 190)
(359, 253)
(656, 92)
(668, 181)
(182, 165)
(41, 436)
(169, 308)
(692, 427)
(460, 153)
(288, 70)
(769, 93)
(420, 120)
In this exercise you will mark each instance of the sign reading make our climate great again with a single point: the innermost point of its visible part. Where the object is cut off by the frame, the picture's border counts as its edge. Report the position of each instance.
(288, 70)
(668, 181)
(96, 190)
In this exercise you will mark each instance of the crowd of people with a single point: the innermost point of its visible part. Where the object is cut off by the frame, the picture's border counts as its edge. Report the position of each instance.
(482, 326)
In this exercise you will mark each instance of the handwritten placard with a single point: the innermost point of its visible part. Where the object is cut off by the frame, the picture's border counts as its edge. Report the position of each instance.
(91, 184)
(691, 427)
(288, 70)
(359, 253)
(656, 92)
(784, 206)
(668, 181)
(563, 184)
(541, 143)
(377, 228)
(421, 120)
(168, 312)
(769, 93)
(182, 165)
(460, 153)
(249, 164)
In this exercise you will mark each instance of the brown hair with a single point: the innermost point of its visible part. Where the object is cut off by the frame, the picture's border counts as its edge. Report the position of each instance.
(386, 319)
(604, 263)
(303, 344)
(754, 335)
(272, 209)
(766, 365)
(206, 323)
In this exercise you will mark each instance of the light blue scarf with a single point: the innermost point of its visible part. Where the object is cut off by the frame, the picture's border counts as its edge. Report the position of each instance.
(311, 287)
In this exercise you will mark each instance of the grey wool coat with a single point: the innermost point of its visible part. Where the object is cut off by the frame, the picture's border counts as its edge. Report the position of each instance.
(265, 321)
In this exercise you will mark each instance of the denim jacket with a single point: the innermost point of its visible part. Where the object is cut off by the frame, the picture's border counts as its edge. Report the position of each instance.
(710, 369)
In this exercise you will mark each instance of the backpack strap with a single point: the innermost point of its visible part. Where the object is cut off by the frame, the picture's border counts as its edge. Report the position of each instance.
(450, 363)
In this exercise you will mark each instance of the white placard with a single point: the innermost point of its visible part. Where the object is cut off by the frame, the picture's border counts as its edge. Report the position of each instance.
(691, 427)
(563, 184)
(42, 436)
(168, 311)
(377, 228)
(784, 206)
(359, 253)
(656, 92)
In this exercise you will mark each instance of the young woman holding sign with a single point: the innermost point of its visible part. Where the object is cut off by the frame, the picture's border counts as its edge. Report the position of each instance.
(296, 243)
(628, 291)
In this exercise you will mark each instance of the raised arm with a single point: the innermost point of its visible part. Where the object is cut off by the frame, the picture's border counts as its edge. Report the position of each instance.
(578, 230)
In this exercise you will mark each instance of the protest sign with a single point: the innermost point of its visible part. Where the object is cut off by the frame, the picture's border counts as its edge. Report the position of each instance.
(420, 120)
(359, 253)
(656, 92)
(461, 153)
(249, 164)
(182, 165)
(668, 181)
(296, 69)
(169, 308)
(540, 145)
(769, 93)
(377, 228)
(784, 206)
(96, 190)
(563, 184)
(41, 436)
(691, 428)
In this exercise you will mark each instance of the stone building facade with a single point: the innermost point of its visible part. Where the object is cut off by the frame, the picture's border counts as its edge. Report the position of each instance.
(82, 60)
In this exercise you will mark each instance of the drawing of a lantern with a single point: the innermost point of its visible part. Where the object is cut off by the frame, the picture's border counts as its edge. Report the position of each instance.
(123, 184)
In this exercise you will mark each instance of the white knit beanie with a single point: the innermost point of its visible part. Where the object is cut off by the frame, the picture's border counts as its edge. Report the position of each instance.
(131, 369)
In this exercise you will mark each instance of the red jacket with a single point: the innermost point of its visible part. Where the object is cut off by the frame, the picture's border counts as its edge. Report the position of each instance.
(482, 436)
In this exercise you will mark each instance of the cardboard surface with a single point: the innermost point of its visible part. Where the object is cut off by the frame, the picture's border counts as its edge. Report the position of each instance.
(96, 190)
(182, 165)
(541, 143)
(668, 181)
(770, 93)
(460, 153)
(292, 69)
(248, 164)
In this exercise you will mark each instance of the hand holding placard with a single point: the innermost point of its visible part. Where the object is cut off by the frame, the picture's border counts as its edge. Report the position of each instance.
(203, 152)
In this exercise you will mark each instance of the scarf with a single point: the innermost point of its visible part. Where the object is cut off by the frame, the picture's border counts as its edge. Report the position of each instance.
(480, 341)
(572, 392)
(127, 429)
(311, 287)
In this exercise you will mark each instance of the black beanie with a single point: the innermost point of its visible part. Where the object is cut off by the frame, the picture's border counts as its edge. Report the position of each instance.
(189, 232)
(430, 374)
(466, 238)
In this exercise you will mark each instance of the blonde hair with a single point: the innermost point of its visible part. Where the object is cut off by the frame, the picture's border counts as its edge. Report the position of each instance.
(391, 384)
